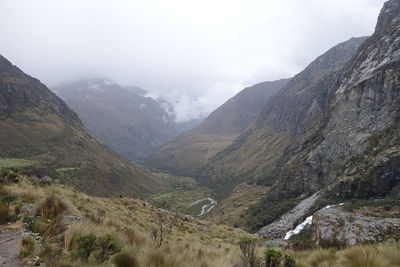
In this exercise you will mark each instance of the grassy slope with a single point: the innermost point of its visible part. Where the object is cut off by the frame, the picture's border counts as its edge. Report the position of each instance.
(37, 125)
(191, 242)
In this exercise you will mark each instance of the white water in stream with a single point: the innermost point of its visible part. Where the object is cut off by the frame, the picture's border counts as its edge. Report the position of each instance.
(207, 207)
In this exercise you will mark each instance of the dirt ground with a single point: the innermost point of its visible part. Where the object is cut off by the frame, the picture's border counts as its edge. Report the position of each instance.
(10, 241)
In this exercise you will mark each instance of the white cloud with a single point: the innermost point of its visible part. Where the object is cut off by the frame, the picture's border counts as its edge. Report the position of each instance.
(196, 54)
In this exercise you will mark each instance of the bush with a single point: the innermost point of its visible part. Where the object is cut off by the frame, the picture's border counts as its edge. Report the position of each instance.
(108, 246)
(125, 259)
(85, 244)
(27, 247)
(272, 258)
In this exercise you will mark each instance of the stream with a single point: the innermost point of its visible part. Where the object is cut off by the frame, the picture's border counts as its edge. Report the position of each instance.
(207, 207)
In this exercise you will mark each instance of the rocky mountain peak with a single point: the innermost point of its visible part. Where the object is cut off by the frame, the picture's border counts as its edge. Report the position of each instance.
(389, 14)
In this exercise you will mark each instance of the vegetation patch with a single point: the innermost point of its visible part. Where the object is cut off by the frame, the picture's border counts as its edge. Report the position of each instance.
(16, 162)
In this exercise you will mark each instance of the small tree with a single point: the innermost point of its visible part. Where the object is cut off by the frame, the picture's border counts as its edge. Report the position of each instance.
(248, 247)
(158, 232)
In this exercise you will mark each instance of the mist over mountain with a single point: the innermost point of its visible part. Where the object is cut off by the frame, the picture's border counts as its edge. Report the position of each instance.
(125, 119)
(294, 170)
(37, 125)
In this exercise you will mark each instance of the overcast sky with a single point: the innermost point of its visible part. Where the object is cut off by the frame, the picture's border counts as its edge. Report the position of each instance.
(196, 54)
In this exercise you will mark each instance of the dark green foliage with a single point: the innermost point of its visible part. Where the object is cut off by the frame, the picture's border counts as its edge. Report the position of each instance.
(272, 258)
(289, 261)
(7, 198)
(266, 212)
(9, 175)
(86, 245)
(108, 246)
(248, 247)
(125, 259)
(387, 203)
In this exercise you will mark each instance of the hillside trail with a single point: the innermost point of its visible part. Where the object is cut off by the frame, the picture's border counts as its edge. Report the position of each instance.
(10, 245)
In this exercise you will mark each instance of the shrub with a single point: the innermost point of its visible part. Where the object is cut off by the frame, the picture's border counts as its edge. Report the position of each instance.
(52, 207)
(108, 246)
(289, 261)
(27, 247)
(248, 247)
(272, 258)
(125, 259)
(7, 199)
(85, 246)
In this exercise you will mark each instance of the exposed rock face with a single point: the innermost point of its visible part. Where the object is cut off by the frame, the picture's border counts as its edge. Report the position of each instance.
(123, 118)
(354, 151)
(279, 228)
(187, 153)
(286, 122)
(333, 226)
(36, 124)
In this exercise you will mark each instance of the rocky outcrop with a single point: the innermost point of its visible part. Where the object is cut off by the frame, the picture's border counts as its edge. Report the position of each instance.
(279, 228)
(354, 151)
(333, 226)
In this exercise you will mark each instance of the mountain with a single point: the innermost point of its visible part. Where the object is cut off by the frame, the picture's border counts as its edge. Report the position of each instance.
(38, 126)
(331, 135)
(123, 118)
(288, 117)
(188, 152)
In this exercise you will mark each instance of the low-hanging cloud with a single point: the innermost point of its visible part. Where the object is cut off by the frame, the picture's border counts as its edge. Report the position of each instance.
(195, 54)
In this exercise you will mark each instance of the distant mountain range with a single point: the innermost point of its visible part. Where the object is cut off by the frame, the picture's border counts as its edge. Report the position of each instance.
(191, 150)
(330, 134)
(37, 125)
(123, 118)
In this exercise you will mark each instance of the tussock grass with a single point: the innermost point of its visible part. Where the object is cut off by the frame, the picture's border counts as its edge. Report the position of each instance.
(362, 256)
(125, 259)
(27, 247)
(321, 258)
(52, 207)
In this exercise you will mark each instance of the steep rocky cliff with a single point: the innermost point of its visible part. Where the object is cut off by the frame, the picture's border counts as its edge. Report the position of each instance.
(188, 152)
(37, 125)
(355, 151)
(289, 117)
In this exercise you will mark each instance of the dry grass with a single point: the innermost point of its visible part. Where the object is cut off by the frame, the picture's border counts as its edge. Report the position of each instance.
(362, 256)
(130, 222)
(125, 259)
(320, 258)
(52, 207)
(27, 247)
